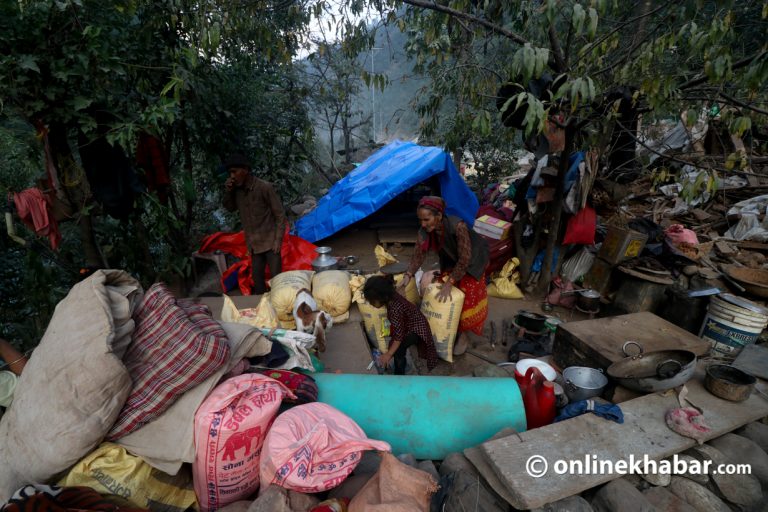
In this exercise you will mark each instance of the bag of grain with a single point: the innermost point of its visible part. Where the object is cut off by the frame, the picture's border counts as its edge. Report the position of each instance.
(263, 315)
(411, 290)
(284, 288)
(331, 291)
(376, 325)
(443, 318)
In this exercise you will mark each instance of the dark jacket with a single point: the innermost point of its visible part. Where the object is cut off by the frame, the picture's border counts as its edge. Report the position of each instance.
(449, 253)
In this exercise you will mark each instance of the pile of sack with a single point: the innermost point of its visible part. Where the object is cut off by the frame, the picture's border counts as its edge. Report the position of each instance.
(141, 399)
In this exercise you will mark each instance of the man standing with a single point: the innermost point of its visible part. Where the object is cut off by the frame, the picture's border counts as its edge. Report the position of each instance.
(262, 215)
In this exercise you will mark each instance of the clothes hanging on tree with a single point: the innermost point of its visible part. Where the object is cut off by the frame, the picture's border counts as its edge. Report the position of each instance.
(34, 209)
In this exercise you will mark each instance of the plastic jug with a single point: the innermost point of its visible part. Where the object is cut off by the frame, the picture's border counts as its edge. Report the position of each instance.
(538, 399)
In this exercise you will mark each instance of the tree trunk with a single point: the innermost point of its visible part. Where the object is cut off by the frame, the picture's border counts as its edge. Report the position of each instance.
(547, 269)
(91, 252)
(78, 193)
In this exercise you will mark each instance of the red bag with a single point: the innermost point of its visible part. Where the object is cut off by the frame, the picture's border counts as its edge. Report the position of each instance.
(581, 227)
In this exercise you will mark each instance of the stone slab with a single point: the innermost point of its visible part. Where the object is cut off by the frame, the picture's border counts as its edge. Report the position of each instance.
(644, 432)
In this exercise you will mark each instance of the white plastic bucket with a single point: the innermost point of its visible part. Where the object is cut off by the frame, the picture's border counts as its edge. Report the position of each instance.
(732, 323)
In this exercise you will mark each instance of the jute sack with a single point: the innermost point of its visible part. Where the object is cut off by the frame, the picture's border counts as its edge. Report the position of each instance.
(443, 318)
(284, 287)
(331, 291)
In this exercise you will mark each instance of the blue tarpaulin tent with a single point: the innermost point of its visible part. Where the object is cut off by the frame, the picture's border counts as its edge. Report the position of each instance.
(387, 173)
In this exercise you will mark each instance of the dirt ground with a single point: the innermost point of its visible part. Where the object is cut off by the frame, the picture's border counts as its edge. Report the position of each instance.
(362, 242)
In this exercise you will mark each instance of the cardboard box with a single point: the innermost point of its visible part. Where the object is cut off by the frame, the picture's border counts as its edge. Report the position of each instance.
(493, 228)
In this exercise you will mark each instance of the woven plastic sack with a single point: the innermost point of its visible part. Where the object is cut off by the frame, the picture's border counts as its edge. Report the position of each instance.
(331, 291)
(375, 321)
(443, 318)
(504, 285)
(111, 470)
(411, 291)
(313, 448)
(230, 428)
(383, 258)
(284, 288)
(263, 315)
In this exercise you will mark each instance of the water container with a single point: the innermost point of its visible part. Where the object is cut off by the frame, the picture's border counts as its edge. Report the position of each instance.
(732, 323)
(539, 399)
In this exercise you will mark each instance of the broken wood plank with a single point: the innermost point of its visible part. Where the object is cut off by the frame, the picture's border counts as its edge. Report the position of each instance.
(753, 246)
(589, 437)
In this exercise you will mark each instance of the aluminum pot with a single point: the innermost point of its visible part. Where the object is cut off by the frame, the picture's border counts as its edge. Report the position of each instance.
(324, 260)
(582, 382)
(728, 382)
(653, 371)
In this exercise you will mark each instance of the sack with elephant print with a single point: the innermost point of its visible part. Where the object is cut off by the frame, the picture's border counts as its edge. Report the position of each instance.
(230, 427)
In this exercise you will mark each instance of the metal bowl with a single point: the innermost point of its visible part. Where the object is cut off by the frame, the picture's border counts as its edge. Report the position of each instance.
(728, 382)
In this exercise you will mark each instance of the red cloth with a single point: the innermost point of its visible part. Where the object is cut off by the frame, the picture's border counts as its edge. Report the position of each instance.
(34, 208)
(295, 253)
(435, 202)
(151, 157)
(474, 312)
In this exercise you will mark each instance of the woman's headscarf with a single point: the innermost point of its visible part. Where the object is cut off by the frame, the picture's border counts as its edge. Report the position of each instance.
(435, 203)
(434, 240)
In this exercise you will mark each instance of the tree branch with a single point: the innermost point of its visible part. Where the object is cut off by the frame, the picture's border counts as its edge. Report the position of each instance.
(554, 42)
(740, 64)
(464, 16)
(742, 104)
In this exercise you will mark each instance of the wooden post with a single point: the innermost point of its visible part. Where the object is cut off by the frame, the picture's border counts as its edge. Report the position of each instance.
(547, 271)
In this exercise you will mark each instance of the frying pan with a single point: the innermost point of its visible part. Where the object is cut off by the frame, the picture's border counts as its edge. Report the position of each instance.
(649, 372)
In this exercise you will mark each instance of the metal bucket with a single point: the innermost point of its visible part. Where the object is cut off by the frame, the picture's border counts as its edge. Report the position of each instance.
(582, 382)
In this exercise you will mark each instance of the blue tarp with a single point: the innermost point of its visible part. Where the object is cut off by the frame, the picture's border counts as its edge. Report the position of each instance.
(386, 174)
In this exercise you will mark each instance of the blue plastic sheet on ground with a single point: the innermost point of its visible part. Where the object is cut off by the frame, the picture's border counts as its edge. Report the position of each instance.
(392, 170)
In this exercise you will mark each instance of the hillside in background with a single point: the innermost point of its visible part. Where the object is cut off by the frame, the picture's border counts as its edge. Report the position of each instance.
(395, 117)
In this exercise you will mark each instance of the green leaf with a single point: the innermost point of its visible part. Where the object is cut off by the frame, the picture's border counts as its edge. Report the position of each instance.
(592, 25)
(79, 102)
(577, 18)
(28, 62)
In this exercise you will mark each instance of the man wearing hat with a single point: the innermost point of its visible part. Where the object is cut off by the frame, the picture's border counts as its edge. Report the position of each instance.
(262, 215)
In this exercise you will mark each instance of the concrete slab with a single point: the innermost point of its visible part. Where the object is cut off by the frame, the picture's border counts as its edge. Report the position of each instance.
(588, 437)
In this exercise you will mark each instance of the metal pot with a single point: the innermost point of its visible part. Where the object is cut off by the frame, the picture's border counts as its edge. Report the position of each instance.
(529, 321)
(324, 260)
(582, 382)
(728, 382)
(588, 299)
(653, 371)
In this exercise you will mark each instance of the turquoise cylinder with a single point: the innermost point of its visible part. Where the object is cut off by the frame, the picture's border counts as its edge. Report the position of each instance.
(428, 417)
